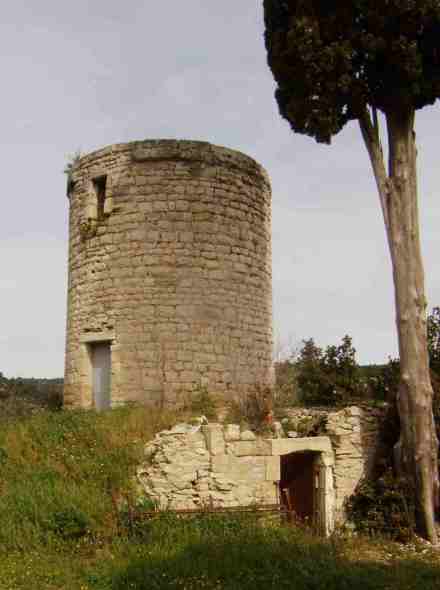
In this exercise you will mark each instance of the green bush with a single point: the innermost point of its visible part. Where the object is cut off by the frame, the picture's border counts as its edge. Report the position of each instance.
(328, 377)
(202, 403)
(383, 506)
(70, 523)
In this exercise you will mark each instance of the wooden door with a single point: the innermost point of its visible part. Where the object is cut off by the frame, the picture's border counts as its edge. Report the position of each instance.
(298, 486)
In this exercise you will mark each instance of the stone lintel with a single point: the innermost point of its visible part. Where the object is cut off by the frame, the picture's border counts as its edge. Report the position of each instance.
(243, 448)
(284, 446)
(259, 447)
(90, 337)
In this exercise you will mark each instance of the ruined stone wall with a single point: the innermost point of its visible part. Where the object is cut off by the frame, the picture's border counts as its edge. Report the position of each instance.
(173, 269)
(189, 467)
(354, 433)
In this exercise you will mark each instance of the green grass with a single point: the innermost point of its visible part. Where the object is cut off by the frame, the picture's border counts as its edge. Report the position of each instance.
(62, 478)
(62, 473)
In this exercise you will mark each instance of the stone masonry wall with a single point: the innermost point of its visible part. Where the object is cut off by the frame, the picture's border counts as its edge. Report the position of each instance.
(192, 467)
(173, 269)
(354, 433)
(221, 465)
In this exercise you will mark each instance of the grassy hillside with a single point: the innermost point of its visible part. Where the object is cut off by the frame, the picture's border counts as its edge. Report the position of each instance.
(66, 483)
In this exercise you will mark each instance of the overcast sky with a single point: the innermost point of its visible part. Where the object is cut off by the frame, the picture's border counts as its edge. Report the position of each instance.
(84, 74)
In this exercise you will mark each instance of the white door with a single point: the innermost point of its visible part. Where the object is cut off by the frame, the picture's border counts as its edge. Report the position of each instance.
(101, 363)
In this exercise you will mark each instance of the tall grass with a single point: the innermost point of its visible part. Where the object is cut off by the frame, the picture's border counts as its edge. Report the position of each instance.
(215, 552)
(62, 475)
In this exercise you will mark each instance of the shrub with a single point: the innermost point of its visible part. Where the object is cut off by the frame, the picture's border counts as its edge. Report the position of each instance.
(70, 523)
(330, 376)
(383, 506)
(202, 403)
(253, 408)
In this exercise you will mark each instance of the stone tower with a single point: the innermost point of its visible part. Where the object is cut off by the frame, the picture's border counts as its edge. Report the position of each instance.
(169, 274)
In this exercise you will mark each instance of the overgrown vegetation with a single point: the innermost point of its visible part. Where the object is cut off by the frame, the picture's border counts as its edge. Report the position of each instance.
(63, 473)
(70, 520)
(202, 403)
(65, 494)
(374, 63)
(21, 397)
(332, 376)
(384, 506)
(70, 517)
(253, 408)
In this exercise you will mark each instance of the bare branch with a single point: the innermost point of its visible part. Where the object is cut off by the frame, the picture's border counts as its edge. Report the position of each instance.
(376, 124)
(371, 137)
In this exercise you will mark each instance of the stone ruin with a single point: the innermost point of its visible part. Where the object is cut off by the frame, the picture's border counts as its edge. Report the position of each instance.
(216, 465)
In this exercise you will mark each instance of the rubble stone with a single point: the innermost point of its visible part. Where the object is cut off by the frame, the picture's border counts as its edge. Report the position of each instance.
(214, 467)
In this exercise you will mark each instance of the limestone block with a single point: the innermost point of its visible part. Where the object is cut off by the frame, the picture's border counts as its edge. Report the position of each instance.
(247, 435)
(223, 484)
(264, 446)
(215, 441)
(273, 468)
(283, 446)
(179, 429)
(232, 432)
(243, 448)
(266, 492)
(222, 463)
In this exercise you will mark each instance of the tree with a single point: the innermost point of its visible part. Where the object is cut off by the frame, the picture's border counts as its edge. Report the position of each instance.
(434, 340)
(330, 376)
(336, 62)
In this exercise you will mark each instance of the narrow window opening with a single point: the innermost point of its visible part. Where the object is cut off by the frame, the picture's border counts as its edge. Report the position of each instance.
(99, 185)
(70, 187)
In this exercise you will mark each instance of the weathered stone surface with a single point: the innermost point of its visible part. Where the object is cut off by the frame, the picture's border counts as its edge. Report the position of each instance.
(273, 469)
(247, 435)
(174, 272)
(232, 432)
(215, 441)
(210, 466)
(284, 446)
(242, 448)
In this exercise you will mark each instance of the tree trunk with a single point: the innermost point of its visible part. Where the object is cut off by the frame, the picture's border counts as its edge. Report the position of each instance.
(417, 449)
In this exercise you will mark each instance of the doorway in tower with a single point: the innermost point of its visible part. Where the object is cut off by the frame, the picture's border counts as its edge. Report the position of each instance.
(100, 356)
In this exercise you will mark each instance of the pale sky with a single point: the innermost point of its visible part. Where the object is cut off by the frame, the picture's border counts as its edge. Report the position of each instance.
(81, 75)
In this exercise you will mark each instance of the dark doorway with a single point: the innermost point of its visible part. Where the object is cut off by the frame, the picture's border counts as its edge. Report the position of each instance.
(297, 485)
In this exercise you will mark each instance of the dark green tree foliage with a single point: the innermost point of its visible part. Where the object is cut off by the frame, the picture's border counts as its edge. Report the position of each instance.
(340, 61)
(330, 58)
(330, 376)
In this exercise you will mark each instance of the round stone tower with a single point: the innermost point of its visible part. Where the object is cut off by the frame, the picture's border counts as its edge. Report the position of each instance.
(169, 274)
